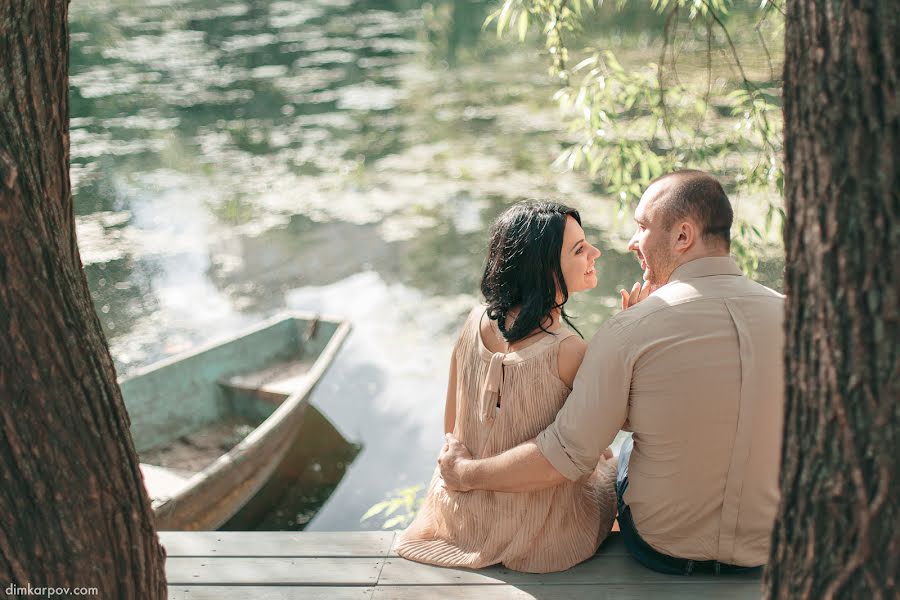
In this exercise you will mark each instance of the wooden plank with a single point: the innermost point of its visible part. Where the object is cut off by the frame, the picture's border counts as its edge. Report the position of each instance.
(361, 544)
(245, 592)
(611, 546)
(598, 570)
(273, 571)
(281, 378)
(687, 591)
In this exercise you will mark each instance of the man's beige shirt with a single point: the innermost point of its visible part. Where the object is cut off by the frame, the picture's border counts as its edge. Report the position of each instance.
(695, 371)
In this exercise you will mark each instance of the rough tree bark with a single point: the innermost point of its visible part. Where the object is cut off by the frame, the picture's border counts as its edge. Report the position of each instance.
(836, 534)
(74, 510)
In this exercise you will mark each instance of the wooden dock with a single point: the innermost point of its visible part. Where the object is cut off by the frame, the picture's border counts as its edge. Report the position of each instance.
(282, 565)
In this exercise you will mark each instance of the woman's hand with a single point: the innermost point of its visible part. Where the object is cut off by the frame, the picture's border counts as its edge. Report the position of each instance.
(638, 292)
(452, 462)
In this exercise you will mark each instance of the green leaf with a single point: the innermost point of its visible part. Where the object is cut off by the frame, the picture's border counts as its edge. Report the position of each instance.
(523, 25)
(489, 19)
(374, 510)
(394, 522)
(590, 60)
(551, 24)
(612, 62)
(503, 20)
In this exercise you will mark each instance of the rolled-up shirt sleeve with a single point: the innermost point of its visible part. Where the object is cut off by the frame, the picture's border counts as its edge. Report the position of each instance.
(596, 408)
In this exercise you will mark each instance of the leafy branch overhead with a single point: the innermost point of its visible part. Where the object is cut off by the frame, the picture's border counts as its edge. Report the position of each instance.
(702, 103)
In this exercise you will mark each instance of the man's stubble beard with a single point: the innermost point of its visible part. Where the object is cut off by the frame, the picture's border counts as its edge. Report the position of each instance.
(661, 264)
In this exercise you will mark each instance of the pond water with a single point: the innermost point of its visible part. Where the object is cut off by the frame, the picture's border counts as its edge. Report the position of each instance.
(234, 159)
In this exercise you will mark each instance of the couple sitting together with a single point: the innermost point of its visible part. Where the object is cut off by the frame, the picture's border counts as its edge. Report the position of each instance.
(692, 367)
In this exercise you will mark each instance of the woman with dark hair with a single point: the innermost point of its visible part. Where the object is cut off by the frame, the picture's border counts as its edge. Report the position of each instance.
(510, 372)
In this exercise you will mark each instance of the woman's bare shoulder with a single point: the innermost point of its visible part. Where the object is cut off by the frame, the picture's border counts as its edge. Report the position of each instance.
(490, 336)
(473, 319)
(571, 353)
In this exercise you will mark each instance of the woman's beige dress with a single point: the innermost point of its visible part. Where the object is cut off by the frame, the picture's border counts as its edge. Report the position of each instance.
(548, 530)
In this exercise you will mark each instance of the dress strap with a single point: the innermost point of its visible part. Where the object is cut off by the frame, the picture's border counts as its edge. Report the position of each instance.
(490, 391)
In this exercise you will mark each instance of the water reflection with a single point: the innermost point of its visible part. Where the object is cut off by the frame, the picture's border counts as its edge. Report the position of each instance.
(122, 294)
(233, 159)
(311, 469)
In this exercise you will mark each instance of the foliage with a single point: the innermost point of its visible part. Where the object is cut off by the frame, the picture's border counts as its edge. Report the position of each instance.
(630, 125)
(398, 509)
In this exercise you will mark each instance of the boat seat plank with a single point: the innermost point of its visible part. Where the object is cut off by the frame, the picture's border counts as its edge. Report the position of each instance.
(268, 592)
(201, 570)
(280, 379)
(359, 544)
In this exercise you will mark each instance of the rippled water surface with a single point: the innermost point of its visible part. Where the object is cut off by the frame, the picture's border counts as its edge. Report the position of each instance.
(231, 160)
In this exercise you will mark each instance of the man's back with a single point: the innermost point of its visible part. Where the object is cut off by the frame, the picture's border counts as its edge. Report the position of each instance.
(706, 410)
(695, 371)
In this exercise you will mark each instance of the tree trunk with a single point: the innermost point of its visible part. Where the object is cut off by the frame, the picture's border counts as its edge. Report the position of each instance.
(836, 534)
(74, 510)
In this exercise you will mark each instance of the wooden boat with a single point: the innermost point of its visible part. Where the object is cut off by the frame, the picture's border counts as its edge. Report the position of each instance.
(210, 426)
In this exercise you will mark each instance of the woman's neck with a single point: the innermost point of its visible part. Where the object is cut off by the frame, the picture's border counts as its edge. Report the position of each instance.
(549, 322)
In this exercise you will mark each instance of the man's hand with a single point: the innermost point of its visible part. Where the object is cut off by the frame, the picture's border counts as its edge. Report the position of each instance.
(452, 461)
(638, 292)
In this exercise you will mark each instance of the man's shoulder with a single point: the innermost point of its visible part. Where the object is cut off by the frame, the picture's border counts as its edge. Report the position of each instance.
(656, 304)
(725, 287)
(677, 295)
(759, 289)
(626, 321)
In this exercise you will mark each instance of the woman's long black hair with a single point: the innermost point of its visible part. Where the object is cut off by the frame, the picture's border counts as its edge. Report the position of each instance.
(523, 267)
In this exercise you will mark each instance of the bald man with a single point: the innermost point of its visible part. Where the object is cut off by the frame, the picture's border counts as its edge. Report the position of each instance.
(693, 368)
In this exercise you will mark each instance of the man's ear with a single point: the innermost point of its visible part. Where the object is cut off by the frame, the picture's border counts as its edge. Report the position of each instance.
(687, 236)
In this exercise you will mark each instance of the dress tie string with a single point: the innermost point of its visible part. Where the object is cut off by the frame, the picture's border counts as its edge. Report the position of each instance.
(491, 390)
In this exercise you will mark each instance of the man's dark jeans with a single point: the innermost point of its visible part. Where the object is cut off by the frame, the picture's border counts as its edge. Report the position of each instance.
(642, 551)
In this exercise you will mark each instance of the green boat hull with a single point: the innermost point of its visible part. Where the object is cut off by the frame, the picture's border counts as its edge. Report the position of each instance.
(262, 378)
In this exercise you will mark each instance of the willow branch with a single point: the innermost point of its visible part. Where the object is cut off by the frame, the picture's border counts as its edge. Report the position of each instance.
(734, 52)
(659, 73)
